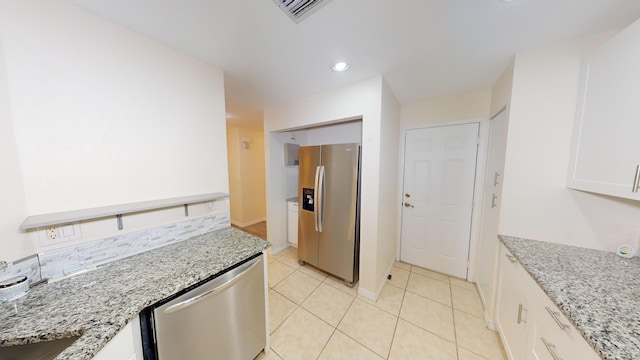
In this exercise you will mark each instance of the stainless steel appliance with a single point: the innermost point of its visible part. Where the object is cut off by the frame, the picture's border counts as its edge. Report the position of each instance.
(329, 211)
(223, 318)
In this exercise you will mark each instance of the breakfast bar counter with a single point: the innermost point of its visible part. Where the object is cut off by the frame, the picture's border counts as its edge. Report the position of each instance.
(96, 305)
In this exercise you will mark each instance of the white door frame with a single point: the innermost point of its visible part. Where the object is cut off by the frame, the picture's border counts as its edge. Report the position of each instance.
(477, 189)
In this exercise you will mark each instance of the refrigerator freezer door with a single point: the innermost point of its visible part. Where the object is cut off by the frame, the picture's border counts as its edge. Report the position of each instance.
(309, 160)
(337, 242)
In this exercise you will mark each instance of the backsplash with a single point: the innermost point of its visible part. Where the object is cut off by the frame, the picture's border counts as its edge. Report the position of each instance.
(64, 261)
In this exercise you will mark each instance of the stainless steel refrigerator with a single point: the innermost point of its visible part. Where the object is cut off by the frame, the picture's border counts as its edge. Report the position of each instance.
(329, 211)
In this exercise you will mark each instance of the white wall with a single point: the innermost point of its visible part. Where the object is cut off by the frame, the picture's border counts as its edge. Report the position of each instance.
(281, 184)
(388, 192)
(501, 91)
(13, 242)
(465, 106)
(342, 133)
(362, 100)
(536, 202)
(100, 116)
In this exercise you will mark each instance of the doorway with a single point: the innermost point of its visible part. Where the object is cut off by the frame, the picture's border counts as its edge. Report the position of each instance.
(245, 151)
(438, 190)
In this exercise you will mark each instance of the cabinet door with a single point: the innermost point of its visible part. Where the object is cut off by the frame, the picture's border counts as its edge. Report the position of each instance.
(513, 307)
(498, 128)
(292, 223)
(605, 153)
(489, 245)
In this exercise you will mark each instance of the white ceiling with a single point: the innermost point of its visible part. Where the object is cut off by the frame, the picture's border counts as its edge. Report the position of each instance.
(423, 48)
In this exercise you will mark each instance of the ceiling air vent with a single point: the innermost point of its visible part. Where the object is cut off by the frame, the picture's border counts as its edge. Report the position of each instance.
(298, 10)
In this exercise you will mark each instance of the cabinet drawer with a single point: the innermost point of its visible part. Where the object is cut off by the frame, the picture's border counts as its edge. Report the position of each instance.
(548, 344)
(553, 343)
(560, 335)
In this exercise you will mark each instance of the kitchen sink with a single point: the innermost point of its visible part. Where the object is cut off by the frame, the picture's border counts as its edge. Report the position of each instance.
(45, 350)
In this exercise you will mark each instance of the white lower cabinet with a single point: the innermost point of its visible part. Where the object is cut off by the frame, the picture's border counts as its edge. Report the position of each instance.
(529, 323)
(513, 307)
(292, 223)
(126, 345)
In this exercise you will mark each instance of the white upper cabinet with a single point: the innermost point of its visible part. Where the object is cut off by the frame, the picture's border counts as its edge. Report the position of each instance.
(605, 155)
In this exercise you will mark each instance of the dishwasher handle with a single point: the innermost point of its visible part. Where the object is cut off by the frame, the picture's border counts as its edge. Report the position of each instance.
(218, 289)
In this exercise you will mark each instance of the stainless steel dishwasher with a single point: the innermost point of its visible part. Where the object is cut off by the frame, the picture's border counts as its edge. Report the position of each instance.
(223, 318)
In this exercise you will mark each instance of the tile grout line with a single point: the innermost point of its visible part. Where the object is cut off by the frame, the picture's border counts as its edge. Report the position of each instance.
(395, 329)
(397, 317)
(335, 328)
(453, 317)
(350, 337)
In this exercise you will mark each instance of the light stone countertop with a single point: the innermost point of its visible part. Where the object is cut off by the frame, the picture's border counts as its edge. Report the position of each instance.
(597, 290)
(98, 304)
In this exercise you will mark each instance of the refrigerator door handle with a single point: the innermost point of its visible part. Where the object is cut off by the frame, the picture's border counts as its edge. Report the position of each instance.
(315, 197)
(320, 208)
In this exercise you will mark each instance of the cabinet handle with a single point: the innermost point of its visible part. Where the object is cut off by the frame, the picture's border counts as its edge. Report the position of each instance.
(520, 308)
(493, 201)
(636, 180)
(511, 258)
(555, 315)
(551, 348)
(495, 179)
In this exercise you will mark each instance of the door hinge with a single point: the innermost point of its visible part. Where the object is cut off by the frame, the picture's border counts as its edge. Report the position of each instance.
(478, 140)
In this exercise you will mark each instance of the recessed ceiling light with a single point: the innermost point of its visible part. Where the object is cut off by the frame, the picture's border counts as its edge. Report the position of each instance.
(340, 66)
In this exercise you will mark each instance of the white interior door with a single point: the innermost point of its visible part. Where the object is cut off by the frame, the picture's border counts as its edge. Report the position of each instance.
(439, 178)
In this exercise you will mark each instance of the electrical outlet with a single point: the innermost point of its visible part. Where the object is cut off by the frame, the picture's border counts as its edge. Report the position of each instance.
(60, 233)
(52, 233)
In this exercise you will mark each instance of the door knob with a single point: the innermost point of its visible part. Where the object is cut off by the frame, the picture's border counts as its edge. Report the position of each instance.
(407, 195)
(408, 205)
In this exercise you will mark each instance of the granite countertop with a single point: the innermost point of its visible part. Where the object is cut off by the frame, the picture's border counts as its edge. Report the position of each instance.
(98, 304)
(597, 290)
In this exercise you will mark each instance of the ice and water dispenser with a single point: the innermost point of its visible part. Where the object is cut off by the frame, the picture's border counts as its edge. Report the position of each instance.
(307, 199)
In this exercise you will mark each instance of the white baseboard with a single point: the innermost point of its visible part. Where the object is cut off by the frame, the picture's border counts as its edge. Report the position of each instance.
(367, 294)
(374, 296)
(491, 325)
(277, 248)
(247, 223)
(487, 319)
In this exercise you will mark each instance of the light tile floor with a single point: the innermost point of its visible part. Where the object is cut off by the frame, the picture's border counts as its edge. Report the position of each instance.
(420, 314)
